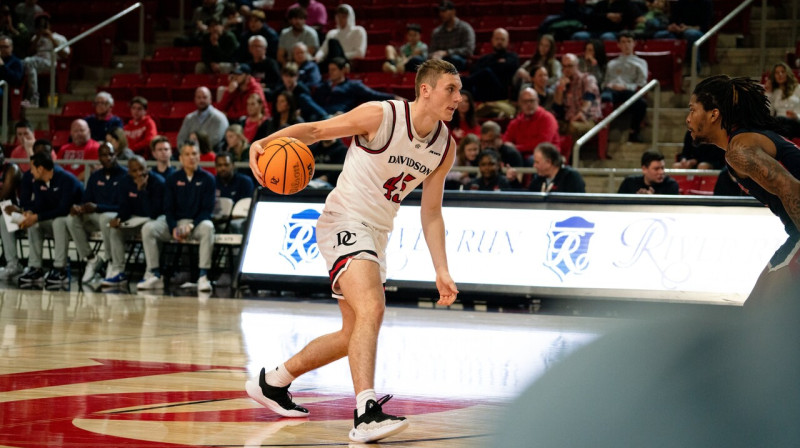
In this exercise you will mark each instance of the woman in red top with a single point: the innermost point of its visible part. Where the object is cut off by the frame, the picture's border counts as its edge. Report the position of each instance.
(464, 122)
(141, 129)
(207, 153)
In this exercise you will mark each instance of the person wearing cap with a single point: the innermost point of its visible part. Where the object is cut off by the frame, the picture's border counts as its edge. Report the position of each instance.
(257, 26)
(453, 40)
(297, 32)
(218, 49)
(42, 44)
(242, 84)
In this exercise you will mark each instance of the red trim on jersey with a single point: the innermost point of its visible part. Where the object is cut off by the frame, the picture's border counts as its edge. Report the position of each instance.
(408, 122)
(342, 262)
(446, 149)
(433, 140)
(378, 151)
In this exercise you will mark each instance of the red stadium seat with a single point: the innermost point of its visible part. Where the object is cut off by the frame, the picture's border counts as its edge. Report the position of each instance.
(59, 139)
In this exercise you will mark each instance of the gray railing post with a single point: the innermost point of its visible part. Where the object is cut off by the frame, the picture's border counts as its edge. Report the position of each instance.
(6, 92)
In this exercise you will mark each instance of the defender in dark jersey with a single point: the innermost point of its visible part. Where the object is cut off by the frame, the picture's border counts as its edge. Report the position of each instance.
(733, 113)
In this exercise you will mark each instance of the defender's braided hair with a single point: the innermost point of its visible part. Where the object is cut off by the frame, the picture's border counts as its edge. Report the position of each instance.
(741, 102)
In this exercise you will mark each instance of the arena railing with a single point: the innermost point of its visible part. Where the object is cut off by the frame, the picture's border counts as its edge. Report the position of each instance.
(652, 85)
(88, 32)
(6, 92)
(715, 29)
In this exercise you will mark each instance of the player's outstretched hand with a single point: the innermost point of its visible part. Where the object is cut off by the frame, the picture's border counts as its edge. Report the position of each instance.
(255, 151)
(447, 289)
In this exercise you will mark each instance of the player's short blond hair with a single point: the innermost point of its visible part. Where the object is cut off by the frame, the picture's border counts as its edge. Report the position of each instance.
(429, 72)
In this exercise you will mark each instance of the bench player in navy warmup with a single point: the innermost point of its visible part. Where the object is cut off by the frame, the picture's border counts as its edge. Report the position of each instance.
(734, 114)
(396, 146)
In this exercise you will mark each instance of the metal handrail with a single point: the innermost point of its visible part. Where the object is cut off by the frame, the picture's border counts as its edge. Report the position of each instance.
(722, 23)
(114, 18)
(653, 84)
(6, 93)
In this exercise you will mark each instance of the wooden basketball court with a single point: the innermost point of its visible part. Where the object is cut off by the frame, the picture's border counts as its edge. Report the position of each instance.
(94, 369)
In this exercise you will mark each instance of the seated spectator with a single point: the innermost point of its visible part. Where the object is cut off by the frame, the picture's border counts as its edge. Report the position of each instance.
(232, 185)
(296, 32)
(10, 178)
(264, 69)
(347, 40)
(329, 152)
(576, 100)
(626, 74)
(27, 11)
(653, 21)
(218, 49)
(689, 20)
(242, 84)
(309, 109)
(234, 144)
(545, 92)
(161, 151)
(727, 186)
(17, 32)
(307, 70)
(26, 139)
(653, 180)
(206, 117)
(141, 128)
(141, 195)
(532, 126)
(490, 76)
(82, 147)
(466, 156)
(702, 156)
(464, 121)
(197, 25)
(256, 115)
(285, 116)
(117, 139)
(453, 40)
(99, 206)
(188, 205)
(491, 178)
(11, 69)
(492, 138)
(408, 57)
(594, 59)
(102, 120)
(783, 92)
(552, 175)
(44, 41)
(207, 153)
(545, 56)
(340, 94)
(316, 14)
(57, 191)
(608, 18)
(257, 26)
(232, 19)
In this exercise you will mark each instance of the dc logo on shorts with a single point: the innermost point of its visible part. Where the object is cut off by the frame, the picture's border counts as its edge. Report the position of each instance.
(300, 238)
(568, 246)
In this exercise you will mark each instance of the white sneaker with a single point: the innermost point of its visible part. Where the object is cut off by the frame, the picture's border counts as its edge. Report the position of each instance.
(11, 271)
(91, 268)
(150, 281)
(203, 284)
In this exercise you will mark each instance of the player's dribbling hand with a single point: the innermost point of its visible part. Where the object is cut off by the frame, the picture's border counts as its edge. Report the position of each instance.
(255, 151)
(447, 289)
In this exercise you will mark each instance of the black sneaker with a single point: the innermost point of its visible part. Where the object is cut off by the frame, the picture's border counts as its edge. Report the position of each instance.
(57, 276)
(276, 399)
(374, 424)
(31, 275)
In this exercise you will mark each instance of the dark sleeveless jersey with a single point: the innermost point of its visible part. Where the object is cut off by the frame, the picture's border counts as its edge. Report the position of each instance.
(788, 155)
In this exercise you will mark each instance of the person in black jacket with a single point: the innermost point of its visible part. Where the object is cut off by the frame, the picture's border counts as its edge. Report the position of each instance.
(55, 192)
(188, 206)
(552, 176)
(490, 76)
(141, 196)
(653, 180)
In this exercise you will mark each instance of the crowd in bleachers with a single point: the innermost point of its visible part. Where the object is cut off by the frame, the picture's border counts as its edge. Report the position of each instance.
(536, 76)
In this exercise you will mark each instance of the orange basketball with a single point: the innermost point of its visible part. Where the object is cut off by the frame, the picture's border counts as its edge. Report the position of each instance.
(287, 165)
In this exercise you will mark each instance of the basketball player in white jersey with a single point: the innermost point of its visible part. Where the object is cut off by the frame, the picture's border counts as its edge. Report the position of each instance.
(395, 147)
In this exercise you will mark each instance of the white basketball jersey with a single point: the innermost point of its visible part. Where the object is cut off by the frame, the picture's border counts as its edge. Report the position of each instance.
(377, 175)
